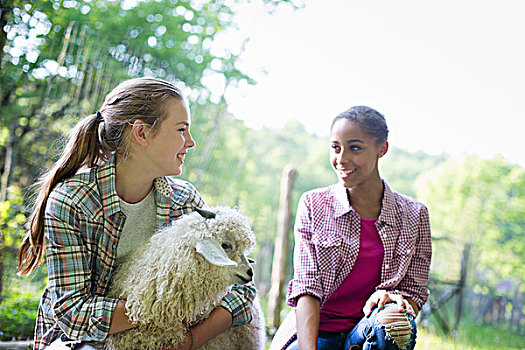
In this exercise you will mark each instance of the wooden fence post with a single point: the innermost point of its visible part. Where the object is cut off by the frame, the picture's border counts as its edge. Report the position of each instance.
(280, 254)
(461, 284)
(519, 309)
(1, 266)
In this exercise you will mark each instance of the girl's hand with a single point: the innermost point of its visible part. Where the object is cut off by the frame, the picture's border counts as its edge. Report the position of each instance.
(380, 297)
(187, 344)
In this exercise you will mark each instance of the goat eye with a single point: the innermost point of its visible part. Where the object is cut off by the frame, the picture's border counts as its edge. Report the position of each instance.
(226, 246)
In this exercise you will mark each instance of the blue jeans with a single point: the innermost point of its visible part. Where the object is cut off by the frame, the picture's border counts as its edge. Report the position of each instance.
(368, 333)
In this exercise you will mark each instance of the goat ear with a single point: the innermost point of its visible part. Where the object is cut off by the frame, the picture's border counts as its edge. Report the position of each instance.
(212, 251)
(205, 213)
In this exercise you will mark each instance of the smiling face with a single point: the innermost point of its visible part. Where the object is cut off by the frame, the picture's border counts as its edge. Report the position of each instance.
(354, 154)
(168, 144)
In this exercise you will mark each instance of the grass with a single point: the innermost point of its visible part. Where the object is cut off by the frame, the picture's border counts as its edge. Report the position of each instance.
(471, 337)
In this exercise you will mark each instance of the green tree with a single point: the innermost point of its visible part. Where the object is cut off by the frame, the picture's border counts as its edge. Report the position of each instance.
(400, 168)
(481, 202)
(62, 57)
(12, 220)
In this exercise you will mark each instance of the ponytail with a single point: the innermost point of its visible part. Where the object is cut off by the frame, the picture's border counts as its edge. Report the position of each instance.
(83, 148)
(91, 144)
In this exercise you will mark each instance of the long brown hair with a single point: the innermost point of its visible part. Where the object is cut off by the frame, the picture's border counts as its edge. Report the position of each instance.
(93, 140)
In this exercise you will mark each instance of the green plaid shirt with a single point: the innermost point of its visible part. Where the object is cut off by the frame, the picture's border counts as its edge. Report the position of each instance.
(83, 223)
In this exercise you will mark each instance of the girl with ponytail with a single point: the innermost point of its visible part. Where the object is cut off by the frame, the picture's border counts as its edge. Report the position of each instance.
(105, 196)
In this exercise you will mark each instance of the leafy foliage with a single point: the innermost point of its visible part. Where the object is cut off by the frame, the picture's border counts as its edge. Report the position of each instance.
(12, 218)
(18, 315)
(60, 59)
(479, 202)
(471, 336)
(400, 168)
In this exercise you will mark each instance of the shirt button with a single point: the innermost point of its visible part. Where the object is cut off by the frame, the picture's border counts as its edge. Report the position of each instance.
(384, 235)
(386, 266)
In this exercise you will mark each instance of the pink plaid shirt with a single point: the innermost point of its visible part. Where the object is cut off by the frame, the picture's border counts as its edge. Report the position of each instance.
(327, 232)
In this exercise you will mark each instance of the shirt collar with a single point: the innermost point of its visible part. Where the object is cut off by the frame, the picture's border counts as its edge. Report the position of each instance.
(388, 203)
(341, 203)
(105, 175)
(165, 196)
(163, 187)
(388, 206)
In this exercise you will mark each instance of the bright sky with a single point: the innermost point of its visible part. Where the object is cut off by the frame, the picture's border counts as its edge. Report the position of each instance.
(449, 76)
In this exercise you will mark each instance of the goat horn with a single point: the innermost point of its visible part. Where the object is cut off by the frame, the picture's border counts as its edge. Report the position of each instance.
(205, 213)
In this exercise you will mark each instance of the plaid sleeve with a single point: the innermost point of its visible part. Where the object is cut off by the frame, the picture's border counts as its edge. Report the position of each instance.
(193, 196)
(78, 312)
(239, 303)
(414, 284)
(306, 279)
(184, 193)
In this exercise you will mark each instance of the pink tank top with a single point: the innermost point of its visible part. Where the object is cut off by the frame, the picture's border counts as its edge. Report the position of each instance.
(343, 310)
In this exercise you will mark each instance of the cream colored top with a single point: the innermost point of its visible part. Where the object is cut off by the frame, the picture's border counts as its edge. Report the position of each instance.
(140, 224)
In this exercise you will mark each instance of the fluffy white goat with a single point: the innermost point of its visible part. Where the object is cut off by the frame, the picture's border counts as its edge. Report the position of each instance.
(181, 275)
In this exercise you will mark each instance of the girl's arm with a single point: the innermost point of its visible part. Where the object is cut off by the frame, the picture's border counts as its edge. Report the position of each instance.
(307, 279)
(218, 322)
(305, 290)
(413, 286)
(307, 318)
(235, 310)
(411, 292)
(120, 321)
(80, 314)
